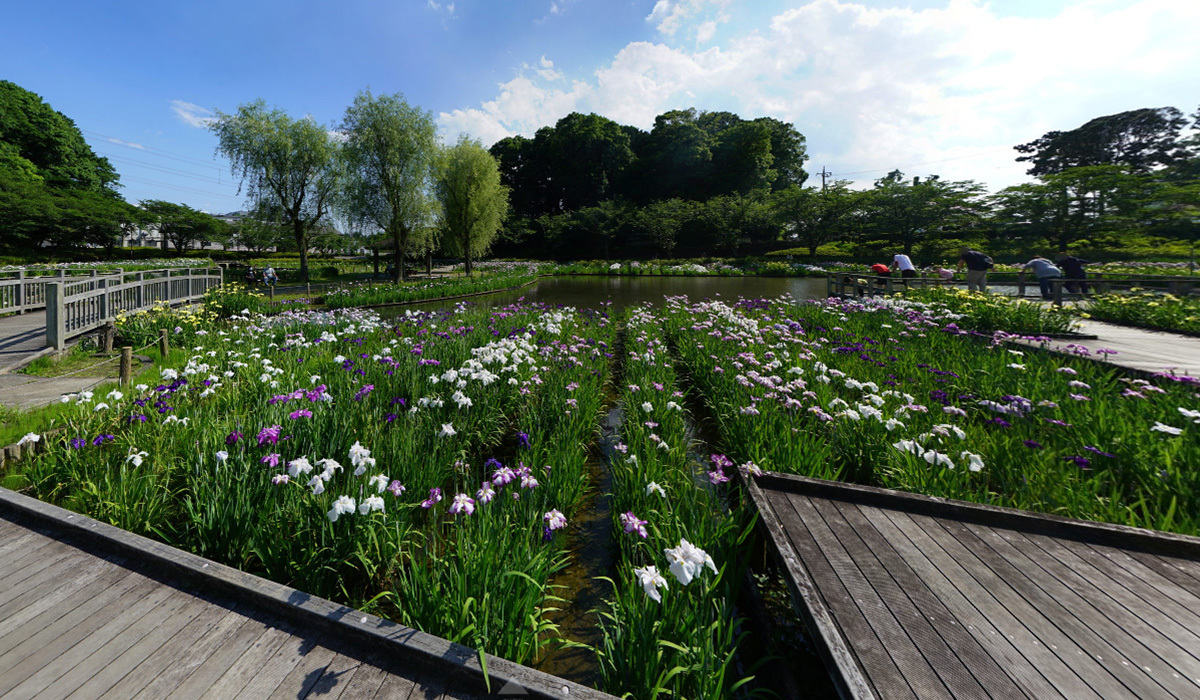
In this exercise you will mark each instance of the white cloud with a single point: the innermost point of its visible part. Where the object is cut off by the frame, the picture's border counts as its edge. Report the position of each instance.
(127, 144)
(946, 91)
(437, 7)
(192, 114)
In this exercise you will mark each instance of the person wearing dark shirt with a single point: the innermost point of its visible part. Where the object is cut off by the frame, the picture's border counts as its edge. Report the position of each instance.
(977, 265)
(1073, 271)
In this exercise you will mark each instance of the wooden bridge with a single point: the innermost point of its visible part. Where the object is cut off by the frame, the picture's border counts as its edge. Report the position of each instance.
(74, 305)
(917, 597)
(90, 611)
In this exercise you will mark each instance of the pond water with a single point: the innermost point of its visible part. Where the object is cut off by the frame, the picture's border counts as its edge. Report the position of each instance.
(585, 291)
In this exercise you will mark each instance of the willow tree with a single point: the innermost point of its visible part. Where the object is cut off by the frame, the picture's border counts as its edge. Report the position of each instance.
(292, 166)
(474, 202)
(390, 150)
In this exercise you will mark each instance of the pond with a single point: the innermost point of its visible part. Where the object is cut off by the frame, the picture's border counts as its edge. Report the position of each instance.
(584, 291)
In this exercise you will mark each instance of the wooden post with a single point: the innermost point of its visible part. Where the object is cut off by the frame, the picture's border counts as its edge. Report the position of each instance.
(126, 365)
(308, 290)
(56, 318)
(164, 343)
(110, 331)
(271, 292)
(19, 298)
(1020, 284)
(1057, 291)
(103, 284)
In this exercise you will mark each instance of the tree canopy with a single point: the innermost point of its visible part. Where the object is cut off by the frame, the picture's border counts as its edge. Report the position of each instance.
(474, 202)
(1140, 139)
(292, 164)
(390, 151)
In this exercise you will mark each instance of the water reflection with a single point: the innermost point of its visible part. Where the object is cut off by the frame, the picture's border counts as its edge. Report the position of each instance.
(591, 290)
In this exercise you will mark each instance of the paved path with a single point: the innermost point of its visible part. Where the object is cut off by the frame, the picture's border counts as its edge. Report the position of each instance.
(1148, 351)
(22, 337)
(90, 611)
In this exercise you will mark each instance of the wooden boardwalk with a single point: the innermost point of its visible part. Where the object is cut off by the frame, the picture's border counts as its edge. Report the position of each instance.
(915, 597)
(87, 611)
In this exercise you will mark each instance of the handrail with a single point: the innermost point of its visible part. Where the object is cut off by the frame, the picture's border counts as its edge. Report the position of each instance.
(76, 307)
(854, 284)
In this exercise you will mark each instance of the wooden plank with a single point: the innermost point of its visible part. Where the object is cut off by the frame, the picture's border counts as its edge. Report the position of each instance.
(30, 563)
(56, 641)
(1135, 681)
(220, 660)
(337, 675)
(63, 607)
(164, 684)
(169, 654)
(1159, 593)
(1181, 587)
(1124, 632)
(946, 579)
(305, 674)
(964, 665)
(917, 671)
(240, 673)
(872, 652)
(287, 657)
(366, 681)
(95, 653)
(844, 667)
(1139, 614)
(1013, 616)
(118, 665)
(402, 682)
(15, 539)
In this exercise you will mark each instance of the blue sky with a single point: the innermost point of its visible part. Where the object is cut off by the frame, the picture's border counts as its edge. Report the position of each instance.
(928, 86)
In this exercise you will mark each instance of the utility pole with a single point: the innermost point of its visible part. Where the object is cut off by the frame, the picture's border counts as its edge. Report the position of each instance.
(823, 176)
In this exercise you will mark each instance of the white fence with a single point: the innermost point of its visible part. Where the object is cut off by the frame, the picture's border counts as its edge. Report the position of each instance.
(76, 305)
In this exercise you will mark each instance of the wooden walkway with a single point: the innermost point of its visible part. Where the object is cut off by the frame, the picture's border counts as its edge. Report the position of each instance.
(915, 597)
(88, 611)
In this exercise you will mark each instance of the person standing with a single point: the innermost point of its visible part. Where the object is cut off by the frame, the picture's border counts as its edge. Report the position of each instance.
(904, 264)
(1072, 268)
(977, 265)
(1046, 271)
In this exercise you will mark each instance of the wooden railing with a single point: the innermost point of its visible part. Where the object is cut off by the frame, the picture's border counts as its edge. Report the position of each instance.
(850, 284)
(76, 306)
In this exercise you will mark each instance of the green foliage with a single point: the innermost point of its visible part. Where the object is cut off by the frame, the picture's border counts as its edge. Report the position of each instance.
(1140, 140)
(1166, 312)
(474, 202)
(390, 152)
(183, 225)
(293, 167)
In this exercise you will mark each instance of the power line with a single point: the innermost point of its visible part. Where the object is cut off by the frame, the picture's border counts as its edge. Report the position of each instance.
(182, 188)
(153, 151)
(931, 162)
(166, 170)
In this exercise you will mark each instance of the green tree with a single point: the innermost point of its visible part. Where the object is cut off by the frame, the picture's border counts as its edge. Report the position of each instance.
(903, 213)
(390, 151)
(815, 217)
(662, 221)
(54, 191)
(182, 225)
(1073, 205)
(586, 155)
(474, 201)
(1140, 139)
(292, 164)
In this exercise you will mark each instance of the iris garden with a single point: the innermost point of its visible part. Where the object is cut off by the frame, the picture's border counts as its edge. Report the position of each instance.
(430, 467)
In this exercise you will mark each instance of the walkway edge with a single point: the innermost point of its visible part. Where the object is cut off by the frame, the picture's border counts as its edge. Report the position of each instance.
(440, 655)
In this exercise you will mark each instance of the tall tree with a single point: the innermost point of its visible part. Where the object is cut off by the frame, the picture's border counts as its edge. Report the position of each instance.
(1140, 139)
(586, 154)
(815, 217)
(390, 150)
(905, 212)
(474, 202)
(293, 164)
(182, 225)
(1073, 205)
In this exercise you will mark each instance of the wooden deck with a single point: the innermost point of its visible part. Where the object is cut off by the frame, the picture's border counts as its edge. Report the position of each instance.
(87, 611)
(914, 597)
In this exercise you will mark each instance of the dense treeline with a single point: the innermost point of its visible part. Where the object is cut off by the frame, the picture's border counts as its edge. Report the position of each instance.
(696, 184)
(701, 183)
